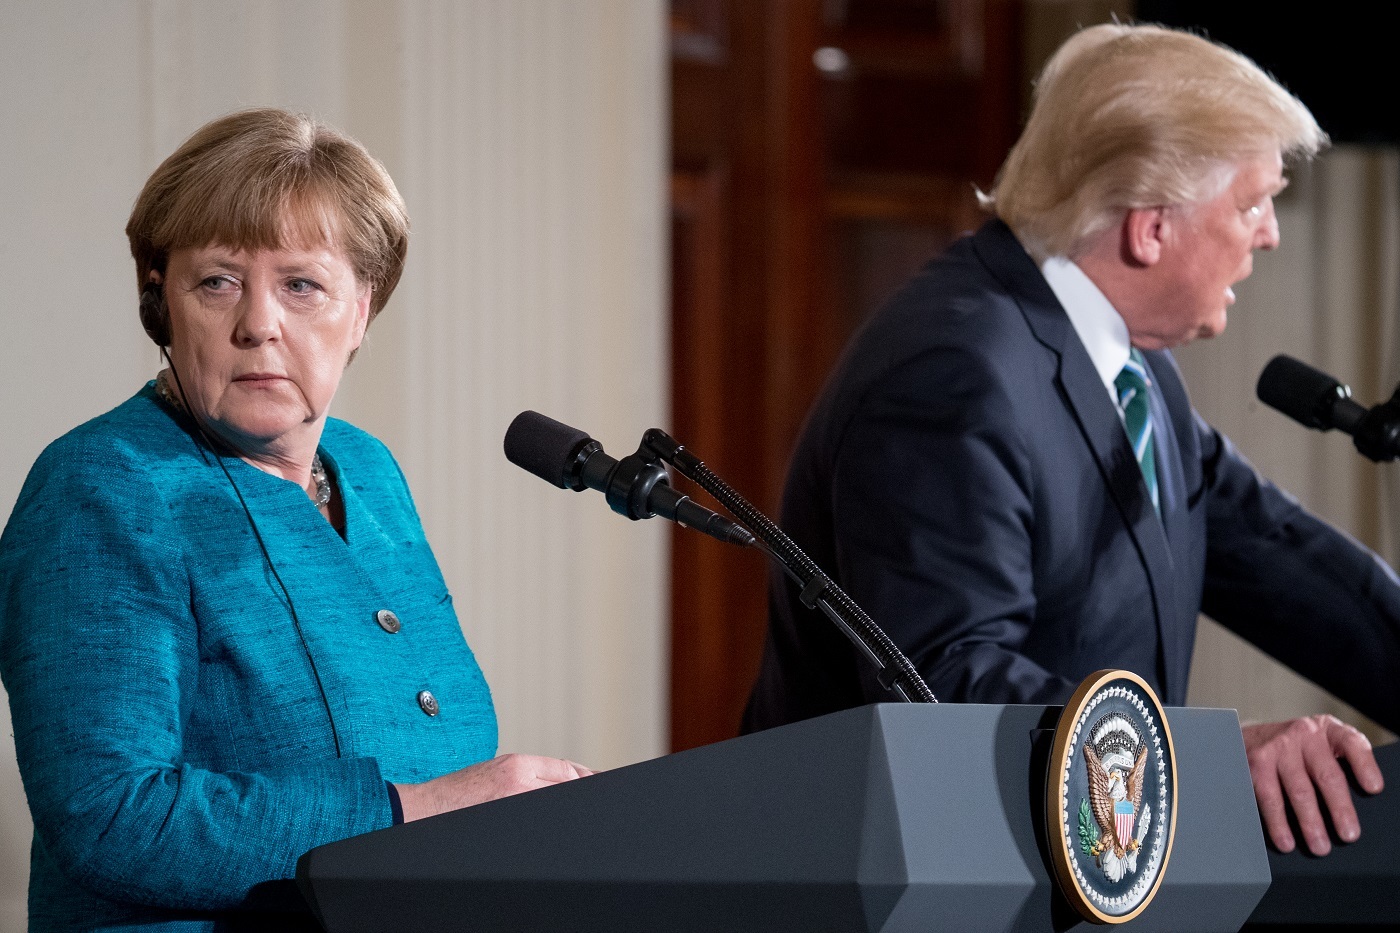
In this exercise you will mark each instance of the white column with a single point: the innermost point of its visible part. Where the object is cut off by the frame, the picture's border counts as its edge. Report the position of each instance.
(533, 166)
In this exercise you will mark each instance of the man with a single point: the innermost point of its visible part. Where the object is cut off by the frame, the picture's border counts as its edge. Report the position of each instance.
(1006, 473)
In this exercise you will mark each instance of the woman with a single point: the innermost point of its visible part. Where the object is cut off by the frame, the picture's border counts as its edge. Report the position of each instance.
(224, 636)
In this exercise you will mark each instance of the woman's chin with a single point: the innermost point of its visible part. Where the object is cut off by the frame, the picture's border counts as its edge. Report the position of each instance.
(254, 431)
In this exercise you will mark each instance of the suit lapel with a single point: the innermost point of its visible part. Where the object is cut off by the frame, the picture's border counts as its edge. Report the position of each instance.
(1083, 393)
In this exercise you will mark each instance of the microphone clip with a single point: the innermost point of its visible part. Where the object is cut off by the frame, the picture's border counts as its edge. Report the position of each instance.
(632, 481)
(1377, 434)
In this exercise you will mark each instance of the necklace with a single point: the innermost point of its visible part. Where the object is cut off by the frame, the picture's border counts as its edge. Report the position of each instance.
(318, 469)
(166, 394)
(323, 482)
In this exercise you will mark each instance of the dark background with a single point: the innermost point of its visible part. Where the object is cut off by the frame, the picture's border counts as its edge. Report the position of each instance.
(1342, 65)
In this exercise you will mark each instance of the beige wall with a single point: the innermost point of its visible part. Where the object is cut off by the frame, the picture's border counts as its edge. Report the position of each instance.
(528, 137)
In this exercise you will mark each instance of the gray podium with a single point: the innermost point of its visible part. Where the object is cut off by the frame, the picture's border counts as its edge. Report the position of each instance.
(890, 817)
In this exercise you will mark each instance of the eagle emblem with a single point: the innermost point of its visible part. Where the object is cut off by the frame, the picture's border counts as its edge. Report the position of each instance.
(1115, 758)
(1110, 797)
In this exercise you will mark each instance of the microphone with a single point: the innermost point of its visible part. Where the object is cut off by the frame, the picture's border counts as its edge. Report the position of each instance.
(639, 487)
(636, 486)
(1307, 395)
(1316, 400)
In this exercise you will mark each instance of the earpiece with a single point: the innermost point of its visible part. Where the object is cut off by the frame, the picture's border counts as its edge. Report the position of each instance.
(155, 317)
(157, 323)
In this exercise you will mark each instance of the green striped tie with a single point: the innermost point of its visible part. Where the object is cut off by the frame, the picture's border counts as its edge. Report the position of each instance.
(1137, 418)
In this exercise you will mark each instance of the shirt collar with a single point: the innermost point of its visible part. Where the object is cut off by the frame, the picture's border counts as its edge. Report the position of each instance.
(1099, 325)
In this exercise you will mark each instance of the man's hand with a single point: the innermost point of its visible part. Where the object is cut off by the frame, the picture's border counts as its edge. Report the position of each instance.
(1290, 759)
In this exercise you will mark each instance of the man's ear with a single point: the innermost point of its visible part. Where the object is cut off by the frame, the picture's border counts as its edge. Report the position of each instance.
(1144, 235)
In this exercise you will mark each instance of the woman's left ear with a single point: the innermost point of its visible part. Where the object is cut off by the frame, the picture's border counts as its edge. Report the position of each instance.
(362, 304)
(361, 323)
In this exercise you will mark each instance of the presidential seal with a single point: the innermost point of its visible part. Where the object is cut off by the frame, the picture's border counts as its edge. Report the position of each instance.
(1111, 797)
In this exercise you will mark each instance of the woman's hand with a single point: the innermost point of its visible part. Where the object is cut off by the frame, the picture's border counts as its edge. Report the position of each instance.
(500, 777)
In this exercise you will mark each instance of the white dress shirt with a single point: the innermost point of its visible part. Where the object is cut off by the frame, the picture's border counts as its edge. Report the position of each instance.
(1105, 335)
(1099, 325)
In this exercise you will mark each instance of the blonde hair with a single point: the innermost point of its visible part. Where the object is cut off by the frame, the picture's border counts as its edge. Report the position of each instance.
(269, 178)
(1138, 116)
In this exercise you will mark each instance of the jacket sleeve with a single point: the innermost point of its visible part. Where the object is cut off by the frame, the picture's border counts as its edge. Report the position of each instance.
(932, 510)
(99, 653)
(1299, 589)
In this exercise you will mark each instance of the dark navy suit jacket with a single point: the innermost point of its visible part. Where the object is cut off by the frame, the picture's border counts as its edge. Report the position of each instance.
(966, 478)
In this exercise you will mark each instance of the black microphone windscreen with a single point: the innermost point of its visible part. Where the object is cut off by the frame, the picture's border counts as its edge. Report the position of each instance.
(542, 446)
(1302, 393)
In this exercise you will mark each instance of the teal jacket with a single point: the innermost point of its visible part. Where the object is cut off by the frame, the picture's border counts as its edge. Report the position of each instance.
(184, 729)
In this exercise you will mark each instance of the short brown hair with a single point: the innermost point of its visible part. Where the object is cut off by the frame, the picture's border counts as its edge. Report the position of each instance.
(256, 179)
(1133, 117)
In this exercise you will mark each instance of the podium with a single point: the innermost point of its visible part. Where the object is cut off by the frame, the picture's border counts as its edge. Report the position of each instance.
(889, 817)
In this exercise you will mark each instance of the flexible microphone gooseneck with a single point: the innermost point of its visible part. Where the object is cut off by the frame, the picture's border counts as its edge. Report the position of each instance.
(1316, 400)
(896, 671)
(638, 487)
